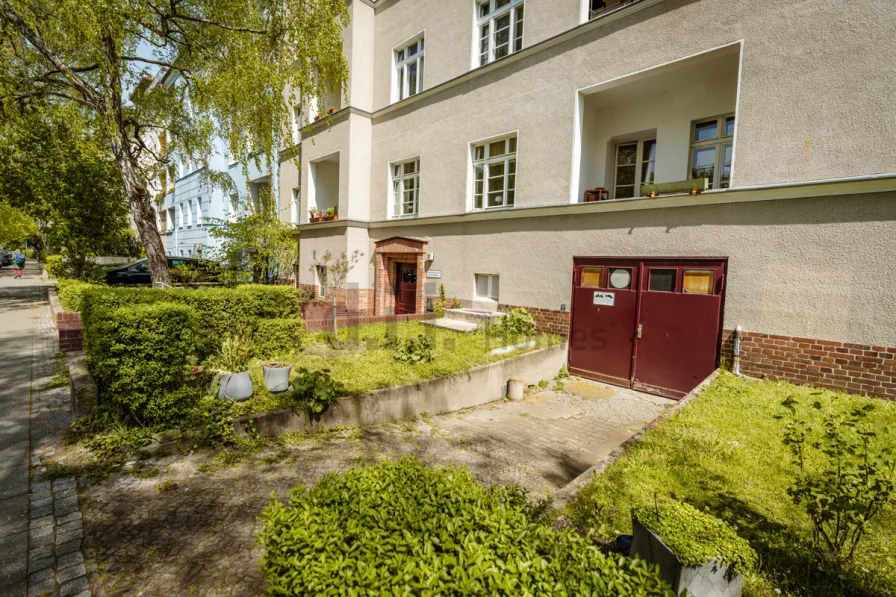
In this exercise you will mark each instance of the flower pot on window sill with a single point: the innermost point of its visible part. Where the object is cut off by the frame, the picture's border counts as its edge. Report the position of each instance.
(314, 220)
(332, 111)
(318, 117)
(330, 218)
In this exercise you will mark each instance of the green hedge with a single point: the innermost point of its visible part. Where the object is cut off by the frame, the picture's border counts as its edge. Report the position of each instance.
(276, 337)
(220, 310)
(139, 354)
(401, 528)
(71, 293)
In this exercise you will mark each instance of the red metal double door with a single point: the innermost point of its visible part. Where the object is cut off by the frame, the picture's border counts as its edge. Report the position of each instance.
(649, 324)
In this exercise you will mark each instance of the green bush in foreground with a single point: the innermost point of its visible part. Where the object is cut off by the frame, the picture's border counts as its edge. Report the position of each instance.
(280, 336)
(696, 537)
(139, 355)
(71, 293)
(401, 528)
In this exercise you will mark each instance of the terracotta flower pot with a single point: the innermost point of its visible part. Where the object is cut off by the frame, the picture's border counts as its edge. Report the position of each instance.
(314, 220)
(332, 111)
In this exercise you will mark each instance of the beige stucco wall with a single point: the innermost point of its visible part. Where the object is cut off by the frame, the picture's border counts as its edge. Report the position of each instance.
(815, 96)
(818, 267)
(289, 177)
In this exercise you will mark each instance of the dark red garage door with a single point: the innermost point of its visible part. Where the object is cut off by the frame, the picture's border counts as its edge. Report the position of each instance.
(649, 324)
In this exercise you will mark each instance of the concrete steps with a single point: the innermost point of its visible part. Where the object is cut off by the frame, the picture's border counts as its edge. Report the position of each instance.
(463, 320)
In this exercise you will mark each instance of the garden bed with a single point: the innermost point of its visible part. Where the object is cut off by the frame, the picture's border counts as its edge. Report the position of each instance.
(724, 454)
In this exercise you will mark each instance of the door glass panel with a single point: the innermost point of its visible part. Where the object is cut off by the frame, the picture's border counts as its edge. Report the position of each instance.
(698, 281)
(662, 280)
(620, 278)
(591, 277)
(408, 276)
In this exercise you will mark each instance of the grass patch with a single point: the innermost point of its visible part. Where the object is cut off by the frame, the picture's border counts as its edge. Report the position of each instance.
(723, 454)
(363, 364)
(58, 381)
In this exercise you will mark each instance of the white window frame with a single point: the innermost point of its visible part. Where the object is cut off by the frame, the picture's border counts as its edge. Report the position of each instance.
(396, 196)
(189, 206)
(296, 201)
(180, 215)
(199, 211)
(719, 142)
(170, 223)
(492, 295)
(401, 67)
(296, 124)
(321, 274)
(640, 160)
(486, 161)
(485, 29)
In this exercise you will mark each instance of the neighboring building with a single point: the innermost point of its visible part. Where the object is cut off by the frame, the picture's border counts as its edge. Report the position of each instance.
(473, 129)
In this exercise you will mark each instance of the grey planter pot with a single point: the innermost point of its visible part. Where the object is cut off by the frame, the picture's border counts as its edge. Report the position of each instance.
(276, 379)
(235, 386)
(709, 580)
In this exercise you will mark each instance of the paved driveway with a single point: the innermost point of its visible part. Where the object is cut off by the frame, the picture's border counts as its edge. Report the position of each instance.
(146, 537)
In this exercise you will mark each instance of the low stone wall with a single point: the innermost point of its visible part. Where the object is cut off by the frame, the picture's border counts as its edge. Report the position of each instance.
(853, 368)
(474, 387)
(84, 391)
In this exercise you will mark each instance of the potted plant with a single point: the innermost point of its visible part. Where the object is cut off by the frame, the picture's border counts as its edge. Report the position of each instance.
(318, 117)
(332, 111)
(314, 215)
(332, 214)
(232, 365)
(276, 376)
(695, 551)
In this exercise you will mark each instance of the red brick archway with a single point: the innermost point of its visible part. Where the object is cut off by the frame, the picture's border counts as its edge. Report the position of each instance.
(389, 252)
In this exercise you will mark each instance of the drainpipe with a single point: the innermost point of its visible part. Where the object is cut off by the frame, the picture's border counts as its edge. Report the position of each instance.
(737, 333)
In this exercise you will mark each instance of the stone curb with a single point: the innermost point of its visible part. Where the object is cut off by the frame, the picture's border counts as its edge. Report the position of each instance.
(84, 391)
(567, 493)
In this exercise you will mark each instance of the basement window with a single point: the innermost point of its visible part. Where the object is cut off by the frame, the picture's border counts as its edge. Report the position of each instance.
(487, 286)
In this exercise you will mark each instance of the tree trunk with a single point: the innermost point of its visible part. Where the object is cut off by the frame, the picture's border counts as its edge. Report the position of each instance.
(145, 218)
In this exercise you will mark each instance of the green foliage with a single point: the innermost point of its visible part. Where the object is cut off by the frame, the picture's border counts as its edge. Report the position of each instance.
(696, 537)
(724, 453)
(443, 302)
(391, 341)
(208, 272)
(414, 350)
(139, 354)
(517, 322)
(316, 390)
(402, 528)
(564, 372)
(16, 226)
(54, 267)
(222, 311)
(71, 293)
(846, 474)
(276, 337)
(236, 351)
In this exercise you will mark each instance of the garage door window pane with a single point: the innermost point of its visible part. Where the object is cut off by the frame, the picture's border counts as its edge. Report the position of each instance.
(591, 277)
(620, 278)
(698, 281)
(662, 280)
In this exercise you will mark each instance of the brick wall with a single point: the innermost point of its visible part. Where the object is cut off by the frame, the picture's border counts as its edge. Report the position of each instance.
(546, 320)
(68, 324)
(325, 324)
(853, 368)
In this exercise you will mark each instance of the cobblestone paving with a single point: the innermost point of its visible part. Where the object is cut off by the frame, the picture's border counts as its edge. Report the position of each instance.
(191, 530)
(55, 561)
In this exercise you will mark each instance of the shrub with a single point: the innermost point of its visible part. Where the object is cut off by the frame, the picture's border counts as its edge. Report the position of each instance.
(414, 350)
(316, 390)
(402, 528)
(697, 537)
(139, 354)
(279, 336)
(517, 322)
(54, 267)
(236, 350)
(71, 293)
(222, 311)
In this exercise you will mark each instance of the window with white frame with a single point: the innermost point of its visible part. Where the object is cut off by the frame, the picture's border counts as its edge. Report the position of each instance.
(408, 70)
(499, 29)
(189, 208)
(322, 281)
(494, 174)
(294, 208)
(635, 165)
(169, 222)
(405, 188)
(712, 150)
(296, 123)
(198, 211)
(487, 286)
(180, 215)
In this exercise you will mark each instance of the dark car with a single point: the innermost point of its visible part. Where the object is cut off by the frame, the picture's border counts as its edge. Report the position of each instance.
(6, 257)
(137, 274)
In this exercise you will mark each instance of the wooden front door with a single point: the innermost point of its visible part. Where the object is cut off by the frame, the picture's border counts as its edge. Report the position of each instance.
(406, 289)
(650, 324)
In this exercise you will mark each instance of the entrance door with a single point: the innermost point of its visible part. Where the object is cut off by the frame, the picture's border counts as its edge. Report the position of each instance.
(406, 289)
(650, 324)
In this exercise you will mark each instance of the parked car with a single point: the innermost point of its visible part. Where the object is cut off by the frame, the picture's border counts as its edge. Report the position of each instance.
(6, 257)
(137, 273)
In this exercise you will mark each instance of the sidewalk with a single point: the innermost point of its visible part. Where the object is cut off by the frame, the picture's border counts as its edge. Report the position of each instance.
(19, 302)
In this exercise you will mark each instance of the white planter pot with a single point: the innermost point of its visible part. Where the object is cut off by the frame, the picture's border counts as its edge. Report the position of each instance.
(709, 580)
(235, 386)
(276, 379)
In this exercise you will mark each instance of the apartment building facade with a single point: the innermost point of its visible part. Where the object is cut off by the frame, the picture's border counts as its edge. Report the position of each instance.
(539, 153)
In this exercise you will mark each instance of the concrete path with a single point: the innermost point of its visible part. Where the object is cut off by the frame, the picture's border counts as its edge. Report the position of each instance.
(19, 301)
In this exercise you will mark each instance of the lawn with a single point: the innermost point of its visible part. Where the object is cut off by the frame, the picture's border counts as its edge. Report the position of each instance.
(362, 363)
(723, 453)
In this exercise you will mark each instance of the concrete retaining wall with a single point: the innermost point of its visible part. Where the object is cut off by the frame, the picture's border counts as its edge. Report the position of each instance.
(477, 386)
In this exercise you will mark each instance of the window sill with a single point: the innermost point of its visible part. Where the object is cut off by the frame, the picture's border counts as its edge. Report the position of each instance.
(491, 209)
(405, 217)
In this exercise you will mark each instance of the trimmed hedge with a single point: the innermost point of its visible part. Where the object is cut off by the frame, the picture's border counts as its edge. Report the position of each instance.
(140, 353)
(402, 528)
(221, 310)
(71, 293)
(275, 337)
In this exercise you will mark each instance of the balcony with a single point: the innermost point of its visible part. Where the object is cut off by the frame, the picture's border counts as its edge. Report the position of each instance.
(659, 131)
